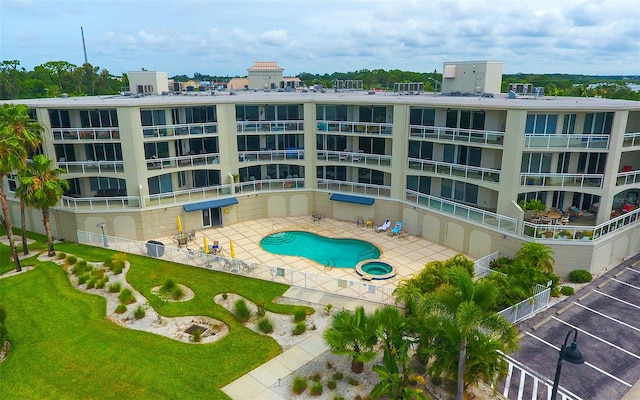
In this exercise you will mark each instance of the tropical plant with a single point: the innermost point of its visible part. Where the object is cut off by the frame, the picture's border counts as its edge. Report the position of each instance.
(537, 255)
(352, 334)
(18, 134)
(580, 276)
(532, 205)
(408, 293)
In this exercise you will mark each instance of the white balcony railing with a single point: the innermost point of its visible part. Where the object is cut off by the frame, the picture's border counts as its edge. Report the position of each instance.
(102, 134)
(354, 187)
(183, 161)
(265, 185)
(354, 157)
(566, 141)
(99, 203)
(471, 214)
(455, 170)
(359, 128)
(269, 126)
(270, 155)
(631, 139)
(206, 128)
(628, 178)
(186, 196)
(562, 180)
(84, 167)
(457, 135)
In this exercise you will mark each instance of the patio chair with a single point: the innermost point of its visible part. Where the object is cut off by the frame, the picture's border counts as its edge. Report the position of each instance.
(345, 155)
(397, 228)
(384, 227)
(192, 235)
(358, 156)
(215, 247)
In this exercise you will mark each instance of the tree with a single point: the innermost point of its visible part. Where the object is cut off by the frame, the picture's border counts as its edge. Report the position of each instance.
(537, 255)
(462, 316)
(352, 334)
(43, 188)
(17, 134)
(408, 293)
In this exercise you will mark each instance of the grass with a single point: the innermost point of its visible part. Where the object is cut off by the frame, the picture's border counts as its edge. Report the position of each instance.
(62, 343)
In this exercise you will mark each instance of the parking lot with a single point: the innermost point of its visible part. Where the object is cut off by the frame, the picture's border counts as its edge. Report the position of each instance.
(606, 314)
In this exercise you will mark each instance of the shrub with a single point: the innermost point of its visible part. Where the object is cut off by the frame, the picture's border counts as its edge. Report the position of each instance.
(120, 309)
(197, 335)
(61, 256)
(242, 310)
(265, 325)
(331, 384)
(501, 264)
(115, 287)
(117, 267)
(177, 293)
(566, 290)
(299, 328)
(100, 283)
(261, 310)
(224, 296)
(337, 376)
(126, 296)
(580, 276)
(316, 377)
(108, 263)
(316, 389)
(82, 279)
(299, 384)
(328, 308)
(92, 283)
(139, 312)
(70, 260)
(353, 381)
(168, 285)
(299, 315)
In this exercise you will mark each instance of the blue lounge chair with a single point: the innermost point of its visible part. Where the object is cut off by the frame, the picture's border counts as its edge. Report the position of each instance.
(396, 229)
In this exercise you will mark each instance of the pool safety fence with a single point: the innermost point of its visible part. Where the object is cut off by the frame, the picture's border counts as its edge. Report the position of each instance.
(343, 287)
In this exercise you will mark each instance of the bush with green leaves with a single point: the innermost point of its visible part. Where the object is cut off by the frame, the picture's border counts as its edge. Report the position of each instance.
(139, 313)
(299, 384)
(299, 328)
(299, 315)
(126, 296)
(265, 325)
(70, 260)
(82, 279)
(61, 256)
(353, 381)
(168, 285)
(197, 335)
(331, 384)
(121, 308)
(92, 283)
(177, 292)
(337, 376)
(242, 310)
(115, 287)
(580, 276)
(316, 377)
(316, 389)
(567, 290)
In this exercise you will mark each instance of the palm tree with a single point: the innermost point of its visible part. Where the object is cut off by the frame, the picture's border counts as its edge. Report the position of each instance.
(18, 133)
(23, 218)
(537, 255)
(463, 316)
(352, 334)
(408, 293)
(43, 188)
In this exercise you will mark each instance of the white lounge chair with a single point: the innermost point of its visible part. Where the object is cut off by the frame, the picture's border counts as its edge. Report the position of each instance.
(384, 227)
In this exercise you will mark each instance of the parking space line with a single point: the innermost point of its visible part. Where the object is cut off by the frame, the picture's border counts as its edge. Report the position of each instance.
(634, 270)
(625, 283)
(608, 317)
(585, 363)
(617, 299)
(598, 338)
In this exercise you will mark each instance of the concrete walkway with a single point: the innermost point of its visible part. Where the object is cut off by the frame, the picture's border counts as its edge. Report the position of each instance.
(256, 384)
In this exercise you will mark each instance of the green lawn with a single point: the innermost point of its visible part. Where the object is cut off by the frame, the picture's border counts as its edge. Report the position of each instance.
(63, 347)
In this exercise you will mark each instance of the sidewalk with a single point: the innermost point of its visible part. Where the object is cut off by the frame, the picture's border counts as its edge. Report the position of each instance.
(256, 383)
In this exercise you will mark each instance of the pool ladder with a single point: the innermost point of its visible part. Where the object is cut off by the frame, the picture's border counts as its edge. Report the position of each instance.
(329, 264)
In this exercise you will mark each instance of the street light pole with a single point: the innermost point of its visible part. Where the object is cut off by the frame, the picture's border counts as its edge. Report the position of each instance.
(571, 354)
(105, 242)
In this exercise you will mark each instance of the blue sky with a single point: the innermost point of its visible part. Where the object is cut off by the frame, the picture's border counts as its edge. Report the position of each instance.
(223, 37)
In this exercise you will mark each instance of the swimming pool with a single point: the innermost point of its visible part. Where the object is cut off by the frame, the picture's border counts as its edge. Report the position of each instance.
(331, 252)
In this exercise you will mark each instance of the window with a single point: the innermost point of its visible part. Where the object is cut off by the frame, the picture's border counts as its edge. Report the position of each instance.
(98, 118)
(331, 113)
(98, 182)
(421, 184)
(541, 124)
(459, 191)
(465, 119)
(536, 163)
(598, 123)
(199, 114)
(371, 176)
(156, 149)
(338, 173)
(153, 117)
(371, 145)
(592, 163)
(248, 143)
(422, 116)
(421, 150)
(247, 113)
(463, 155)
(331, 142)
(282, 113)
(59, 118)
(205, 178)
(569, 123)
(103, 151)
(65, 152)
(160, 184)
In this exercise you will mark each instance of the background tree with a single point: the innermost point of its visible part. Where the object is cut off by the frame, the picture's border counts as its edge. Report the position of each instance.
(352, 334)
(43, 188)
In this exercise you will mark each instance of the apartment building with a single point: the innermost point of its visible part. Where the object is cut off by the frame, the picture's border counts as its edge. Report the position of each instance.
(451, 167)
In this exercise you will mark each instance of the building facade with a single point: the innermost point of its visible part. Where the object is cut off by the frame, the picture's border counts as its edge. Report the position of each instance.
(452, 168)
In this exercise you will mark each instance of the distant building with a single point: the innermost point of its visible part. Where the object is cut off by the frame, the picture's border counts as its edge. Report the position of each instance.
(264, 75)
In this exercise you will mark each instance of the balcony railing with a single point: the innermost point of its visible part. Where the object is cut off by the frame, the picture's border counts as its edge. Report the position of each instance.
(205, 128)
(354, 158)
(468, 213)
(112, 133)
(270, 155)
(455, 170)
(99, 203)
(269, 126)
(562, 180)
(183, 161)
(628, 178)
(566, 141)
(631, 139)
(265, 185)
(82, 167)
(186, 196)
(354, 187)
(457, 135)
(359, 128)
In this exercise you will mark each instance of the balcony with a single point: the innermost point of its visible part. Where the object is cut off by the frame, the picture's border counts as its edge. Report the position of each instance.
(628, 178)
(271, 155)
(354, 187)
(455, 170)
(457, 135)
(206, 128)
(266, 185)
(358, 128)
(269, 126)
(90, 167)
(562, 180)
(631, 139)
(571, 142)
(183, 161)
(73, 134)
(186, 196)
(358, 157)
(465, 212)
(99, 203)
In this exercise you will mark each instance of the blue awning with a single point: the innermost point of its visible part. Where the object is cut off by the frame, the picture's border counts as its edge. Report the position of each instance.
(351, 199)
(217, 203)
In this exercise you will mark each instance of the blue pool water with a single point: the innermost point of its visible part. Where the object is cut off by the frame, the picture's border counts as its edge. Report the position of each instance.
(340, 253)
(377, 268)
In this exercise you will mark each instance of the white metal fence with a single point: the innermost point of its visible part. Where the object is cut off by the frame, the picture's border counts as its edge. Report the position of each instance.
(528, 306)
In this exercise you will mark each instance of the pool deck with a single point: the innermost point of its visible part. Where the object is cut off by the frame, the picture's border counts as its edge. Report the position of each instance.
(408, 254)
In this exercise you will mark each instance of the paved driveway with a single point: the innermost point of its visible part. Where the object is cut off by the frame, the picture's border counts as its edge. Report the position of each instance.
(606, 314)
